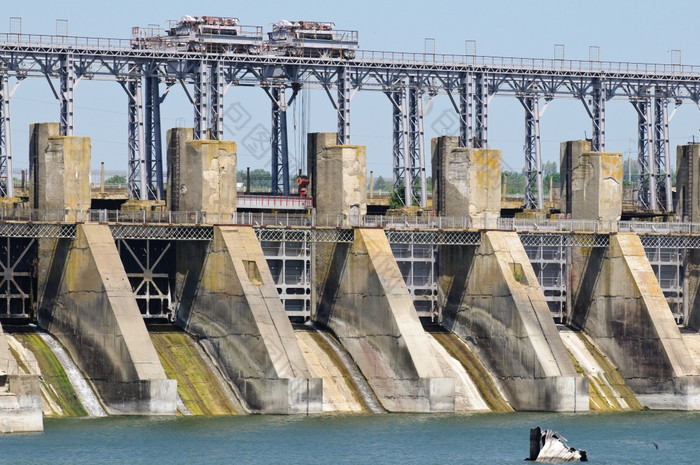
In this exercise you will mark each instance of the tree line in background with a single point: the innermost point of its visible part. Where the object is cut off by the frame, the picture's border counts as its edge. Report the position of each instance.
(260, 180)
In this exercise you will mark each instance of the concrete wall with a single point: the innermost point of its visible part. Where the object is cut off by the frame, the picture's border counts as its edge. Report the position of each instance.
(338, 178)
(617, 301)
(20, 395)
(569, 154)
(88, 304)
(596, 187)
(228, 298)
(364, 300)
(466, 182)
(59, 170)
(202, 174)
(493, 301)
(20, 404)
(688, 208)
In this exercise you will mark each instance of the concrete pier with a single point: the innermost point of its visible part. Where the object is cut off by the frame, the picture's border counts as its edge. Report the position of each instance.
(89, 306)
(466, 182)
(59, 171)
(201, 175)
(688, 209)
(338, 175)
(490, 294)
(493, 301)
(229, 300)
(364, 300)
(616, 299)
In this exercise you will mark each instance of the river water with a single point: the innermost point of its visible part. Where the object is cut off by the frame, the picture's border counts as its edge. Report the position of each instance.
(620, 438)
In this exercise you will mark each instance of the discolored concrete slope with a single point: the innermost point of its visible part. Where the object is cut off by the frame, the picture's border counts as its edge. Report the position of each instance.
(33, 356)
(480, 379)
(199, 384)
(607, 390)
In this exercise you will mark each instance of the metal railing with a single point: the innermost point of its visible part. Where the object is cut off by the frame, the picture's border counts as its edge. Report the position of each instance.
(389, 222)
(403, 58)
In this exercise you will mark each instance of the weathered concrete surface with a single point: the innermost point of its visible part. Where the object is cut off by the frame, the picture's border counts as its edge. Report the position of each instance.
(20, 395)
(230, 299)
(569, 154)
(202, 174)
(466, 182)
(688, 208)
(88, 304)
(338, 175)
(493, 301)
(59, 170)
(688, 182)
(596, 188)
(20, 404)
(617, 301)
(364, 300)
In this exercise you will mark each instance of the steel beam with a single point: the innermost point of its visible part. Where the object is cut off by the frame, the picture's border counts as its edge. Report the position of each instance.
(153, 140)
(533, 156)
(137, 169)
(279, 147)
(481, 112)
(417, 144)
(218, 89)
(6, 178)
(398, 106)
(646, 186)
(598, 101)
(344, 97)
(68, 83)
(466, 105)
(201, 100)
(662, 154)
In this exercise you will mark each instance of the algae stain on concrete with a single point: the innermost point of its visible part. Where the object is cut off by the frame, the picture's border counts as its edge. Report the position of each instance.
(200, 390)
(58, 396)
(476, 370)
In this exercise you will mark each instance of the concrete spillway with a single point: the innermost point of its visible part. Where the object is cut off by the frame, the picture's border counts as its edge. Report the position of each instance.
(607, 389)
(64, 391)
(200, 385)
(475, 388)
(344, 387)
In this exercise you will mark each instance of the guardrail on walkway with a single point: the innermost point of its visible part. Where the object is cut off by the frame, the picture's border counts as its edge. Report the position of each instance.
(194, 218)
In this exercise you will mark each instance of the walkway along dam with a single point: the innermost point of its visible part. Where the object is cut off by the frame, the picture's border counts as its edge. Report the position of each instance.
(183, 302)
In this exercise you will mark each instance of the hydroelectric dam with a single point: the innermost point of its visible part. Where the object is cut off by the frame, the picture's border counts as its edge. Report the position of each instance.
(191, 299)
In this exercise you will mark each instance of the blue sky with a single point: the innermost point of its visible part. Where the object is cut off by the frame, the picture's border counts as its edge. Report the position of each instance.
(635, 31)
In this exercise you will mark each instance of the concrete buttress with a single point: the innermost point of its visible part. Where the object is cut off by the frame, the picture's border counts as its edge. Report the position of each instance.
(228, 298)
(492, 300)
(88, 304)
(364, 300)
(618, 302)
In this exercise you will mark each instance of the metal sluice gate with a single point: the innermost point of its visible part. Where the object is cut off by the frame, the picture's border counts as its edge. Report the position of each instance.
(148, 256)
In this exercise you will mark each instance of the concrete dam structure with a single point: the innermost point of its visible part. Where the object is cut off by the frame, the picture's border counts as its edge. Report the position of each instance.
(181, 310)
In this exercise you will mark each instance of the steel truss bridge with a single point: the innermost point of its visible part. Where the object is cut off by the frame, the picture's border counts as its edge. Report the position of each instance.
(410, 81)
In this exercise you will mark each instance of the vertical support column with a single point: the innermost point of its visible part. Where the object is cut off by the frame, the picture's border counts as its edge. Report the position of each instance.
(533, 155)
(280, 160)
(217, 102)
(201, 100)
(466, 104)
(344, 96)
(66, 96)
(137, 172)
(598, 116)
(481, 111)
(397, 107)
(6, 189)
(661, 149)
(417, 144)
(645, 156)
(154, 147)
